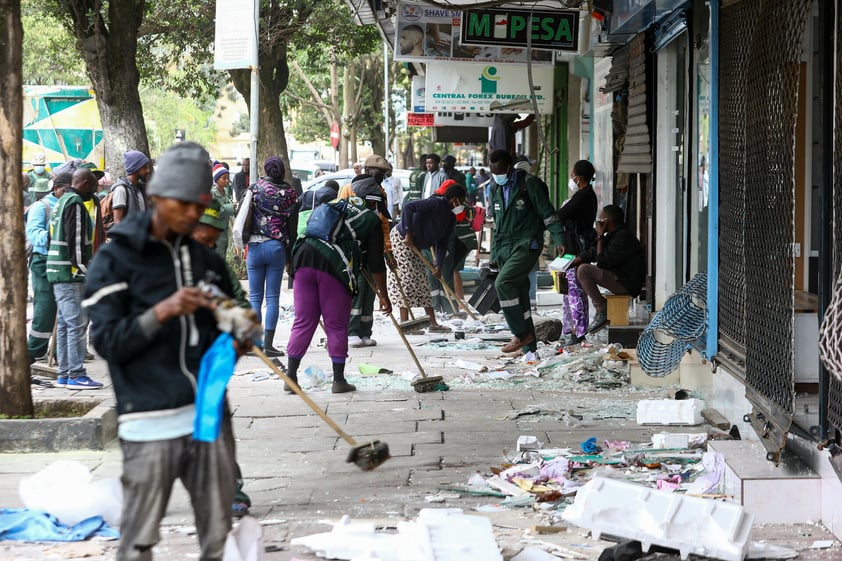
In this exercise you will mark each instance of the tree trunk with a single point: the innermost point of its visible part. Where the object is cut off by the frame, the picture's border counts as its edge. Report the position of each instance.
(274, 77)
(110, 54)
(15, 391)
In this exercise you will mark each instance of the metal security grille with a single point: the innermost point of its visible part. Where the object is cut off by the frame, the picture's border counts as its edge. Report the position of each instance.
(759, 89)
(738, 23)
(835, 393)
(636, 156)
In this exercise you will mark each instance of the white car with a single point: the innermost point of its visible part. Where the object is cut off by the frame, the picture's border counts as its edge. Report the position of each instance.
(342, 177)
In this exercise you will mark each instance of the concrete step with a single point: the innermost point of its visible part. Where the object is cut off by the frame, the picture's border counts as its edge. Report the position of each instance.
(786, 494)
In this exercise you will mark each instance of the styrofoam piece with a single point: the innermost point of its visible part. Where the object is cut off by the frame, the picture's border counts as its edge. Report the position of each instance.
(445, 534)
(502, 485)
(454, 536)
(526, 442)
(677, 439)
(528, 471)
(670, 411)
(549, 298)
(695, 525)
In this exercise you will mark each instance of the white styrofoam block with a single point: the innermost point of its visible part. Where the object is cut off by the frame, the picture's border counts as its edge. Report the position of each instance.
(526, 442)
(670, 411)
(444, 534)
(549, 298)
(670, 440)
(694, 525)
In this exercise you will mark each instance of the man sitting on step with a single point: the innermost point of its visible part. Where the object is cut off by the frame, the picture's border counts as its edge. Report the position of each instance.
(620, 263)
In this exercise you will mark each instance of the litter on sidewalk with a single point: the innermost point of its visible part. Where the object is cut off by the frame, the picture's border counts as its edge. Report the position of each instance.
(440, 534)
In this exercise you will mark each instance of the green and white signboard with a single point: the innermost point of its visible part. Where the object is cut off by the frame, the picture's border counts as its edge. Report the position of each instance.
(555, 30)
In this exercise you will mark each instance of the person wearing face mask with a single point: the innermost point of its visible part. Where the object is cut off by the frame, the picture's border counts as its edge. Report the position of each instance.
(522, 211)
(70, 252)
(425, 223)
(39, 177)
(577, 217)
(129, 189)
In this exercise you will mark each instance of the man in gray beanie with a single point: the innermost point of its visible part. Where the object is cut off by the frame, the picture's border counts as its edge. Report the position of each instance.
(153, 325)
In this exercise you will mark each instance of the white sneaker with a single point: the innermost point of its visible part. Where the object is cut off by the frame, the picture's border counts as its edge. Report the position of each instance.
(355, 342)
(369, 342)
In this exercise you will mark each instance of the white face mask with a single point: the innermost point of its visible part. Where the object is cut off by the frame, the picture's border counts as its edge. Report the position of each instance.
(500, 179)
(39, 169)
(457, 209)
(571, 185)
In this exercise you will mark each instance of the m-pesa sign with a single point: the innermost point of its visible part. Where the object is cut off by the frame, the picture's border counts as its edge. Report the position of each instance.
(557, 29)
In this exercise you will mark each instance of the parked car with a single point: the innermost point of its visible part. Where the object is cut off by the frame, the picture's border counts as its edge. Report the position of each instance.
(342, 177)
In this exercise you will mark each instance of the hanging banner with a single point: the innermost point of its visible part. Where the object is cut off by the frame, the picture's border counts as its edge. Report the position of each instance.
(483, 88)
(420, 119)
(419, 86)
(426, 33)
(551, 29)
(235, 39)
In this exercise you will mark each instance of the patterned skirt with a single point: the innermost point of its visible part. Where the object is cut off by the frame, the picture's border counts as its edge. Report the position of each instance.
(413, 276)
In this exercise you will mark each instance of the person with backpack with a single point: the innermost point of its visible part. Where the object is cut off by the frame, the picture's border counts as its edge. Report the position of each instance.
(310, 200)
(577, 217)
(341, 238)
(273, 202)
(522, 211)
(38, 238)
(127, 193)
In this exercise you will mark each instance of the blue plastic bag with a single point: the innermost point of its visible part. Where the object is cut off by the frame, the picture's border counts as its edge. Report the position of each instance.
(215, 370)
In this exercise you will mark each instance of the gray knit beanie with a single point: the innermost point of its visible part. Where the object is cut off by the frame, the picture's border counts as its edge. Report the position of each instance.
(183, 173)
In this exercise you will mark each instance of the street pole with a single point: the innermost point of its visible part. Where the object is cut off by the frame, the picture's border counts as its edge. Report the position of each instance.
(254, 105)
(386, 98)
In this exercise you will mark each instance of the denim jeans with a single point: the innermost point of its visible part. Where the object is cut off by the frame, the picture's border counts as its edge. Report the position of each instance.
(71, 328)
(265, 264)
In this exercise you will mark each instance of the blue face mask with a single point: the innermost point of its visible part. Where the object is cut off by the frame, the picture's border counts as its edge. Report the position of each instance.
(500, 179)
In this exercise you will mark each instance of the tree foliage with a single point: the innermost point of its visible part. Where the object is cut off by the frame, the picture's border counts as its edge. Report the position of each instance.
(166, 111)
(48, 55)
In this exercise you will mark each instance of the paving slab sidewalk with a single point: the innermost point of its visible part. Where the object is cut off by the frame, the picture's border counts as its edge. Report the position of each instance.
(295, 470)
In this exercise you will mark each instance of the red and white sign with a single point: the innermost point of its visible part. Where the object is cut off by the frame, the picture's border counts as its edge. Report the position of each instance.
(421, 119)
(334, 135)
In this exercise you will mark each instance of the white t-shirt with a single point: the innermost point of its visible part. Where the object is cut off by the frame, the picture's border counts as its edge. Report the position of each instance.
(394, 192)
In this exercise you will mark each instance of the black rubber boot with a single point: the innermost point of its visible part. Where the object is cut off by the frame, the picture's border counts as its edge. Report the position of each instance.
(292, 372)
(268, 349)
(340, 385)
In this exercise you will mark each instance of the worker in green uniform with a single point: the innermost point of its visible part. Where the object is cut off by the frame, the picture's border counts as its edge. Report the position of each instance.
(522, 210)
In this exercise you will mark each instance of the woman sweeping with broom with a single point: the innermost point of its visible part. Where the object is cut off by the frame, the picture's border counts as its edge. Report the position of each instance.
(425, 223)
(340, 238)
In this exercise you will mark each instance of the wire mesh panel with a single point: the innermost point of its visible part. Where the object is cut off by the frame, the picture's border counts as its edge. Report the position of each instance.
(757, 222)
(835, 393)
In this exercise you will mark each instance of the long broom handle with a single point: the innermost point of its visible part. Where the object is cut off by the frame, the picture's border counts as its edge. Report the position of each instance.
(291, 383)
(373, 286)
(447, 290)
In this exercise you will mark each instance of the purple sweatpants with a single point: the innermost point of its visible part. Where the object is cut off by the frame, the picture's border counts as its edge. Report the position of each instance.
(319, 294)
(575, 317)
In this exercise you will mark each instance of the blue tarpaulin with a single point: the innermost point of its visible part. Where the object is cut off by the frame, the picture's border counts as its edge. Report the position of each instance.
(38, 526)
